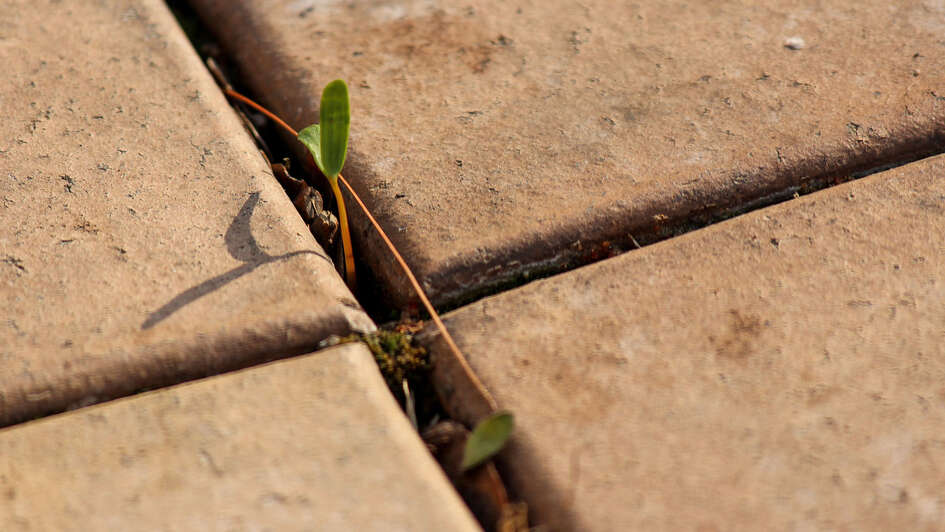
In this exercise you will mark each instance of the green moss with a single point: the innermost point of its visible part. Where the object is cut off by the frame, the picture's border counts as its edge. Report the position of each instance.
(399, 358)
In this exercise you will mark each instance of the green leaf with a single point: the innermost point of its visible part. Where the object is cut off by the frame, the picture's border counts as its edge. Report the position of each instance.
(488, 438)
(335, 117)
(312, 138)
(328, 140)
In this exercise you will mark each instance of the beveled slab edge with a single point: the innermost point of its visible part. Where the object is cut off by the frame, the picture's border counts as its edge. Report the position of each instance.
(459, 396)
(467, 278)
(387, 432)
(140, 367)
(462, 402)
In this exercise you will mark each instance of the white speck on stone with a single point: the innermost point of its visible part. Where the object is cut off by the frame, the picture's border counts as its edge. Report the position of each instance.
(794, 43)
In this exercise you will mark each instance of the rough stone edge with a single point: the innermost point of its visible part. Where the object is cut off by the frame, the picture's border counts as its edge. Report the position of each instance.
(362, 361)
(170, 362)
(727, 194)
(459, 396)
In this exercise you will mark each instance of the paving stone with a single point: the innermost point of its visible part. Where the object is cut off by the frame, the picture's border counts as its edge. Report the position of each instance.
(782, 370)
(312, 443)
(496, 139)
(143, 239)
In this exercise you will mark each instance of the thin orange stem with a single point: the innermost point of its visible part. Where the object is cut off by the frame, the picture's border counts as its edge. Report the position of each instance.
(233, 94)
(423, 298)
(345, 236)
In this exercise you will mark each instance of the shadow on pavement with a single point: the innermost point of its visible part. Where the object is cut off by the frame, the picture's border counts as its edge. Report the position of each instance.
(243, 247)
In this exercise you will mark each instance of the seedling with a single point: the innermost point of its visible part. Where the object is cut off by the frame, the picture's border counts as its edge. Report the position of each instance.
(328, 143)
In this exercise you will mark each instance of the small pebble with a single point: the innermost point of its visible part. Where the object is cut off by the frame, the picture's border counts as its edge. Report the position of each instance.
(794, 43)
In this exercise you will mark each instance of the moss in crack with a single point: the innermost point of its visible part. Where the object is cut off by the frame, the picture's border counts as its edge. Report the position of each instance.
(398, 358)
(401, 359)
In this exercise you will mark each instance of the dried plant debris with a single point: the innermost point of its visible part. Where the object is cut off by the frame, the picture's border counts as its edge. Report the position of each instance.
(310, 205)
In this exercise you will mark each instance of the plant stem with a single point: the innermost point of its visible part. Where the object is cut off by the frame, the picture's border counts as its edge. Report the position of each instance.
(342, 214)
(272, 116)
(345, 235)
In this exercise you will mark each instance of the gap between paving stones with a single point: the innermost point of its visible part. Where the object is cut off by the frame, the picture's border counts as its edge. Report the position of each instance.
(271, 141)
(371, 294)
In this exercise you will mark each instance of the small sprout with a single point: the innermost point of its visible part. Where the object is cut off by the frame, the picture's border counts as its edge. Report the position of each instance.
(328, 143)
(488, 438)
(328, 140)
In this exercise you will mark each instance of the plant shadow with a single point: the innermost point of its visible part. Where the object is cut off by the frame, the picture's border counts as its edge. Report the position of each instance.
(242, 246)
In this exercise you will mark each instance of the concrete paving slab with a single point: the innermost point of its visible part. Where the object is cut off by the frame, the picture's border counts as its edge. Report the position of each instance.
(312, 443)
(782, 370)
(143, 239)
(496, 139)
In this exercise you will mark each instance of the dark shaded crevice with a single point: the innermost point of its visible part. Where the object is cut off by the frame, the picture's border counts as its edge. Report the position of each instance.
(510, 268)
(163, 367)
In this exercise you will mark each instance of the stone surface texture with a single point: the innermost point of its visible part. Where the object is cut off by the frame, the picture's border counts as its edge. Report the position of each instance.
(312, 443)
(784, 370)
(495, 139)
(142, 237)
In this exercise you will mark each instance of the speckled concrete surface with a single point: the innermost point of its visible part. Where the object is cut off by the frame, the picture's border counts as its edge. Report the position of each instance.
(784, 370)
(143, 239)
(312, 443)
